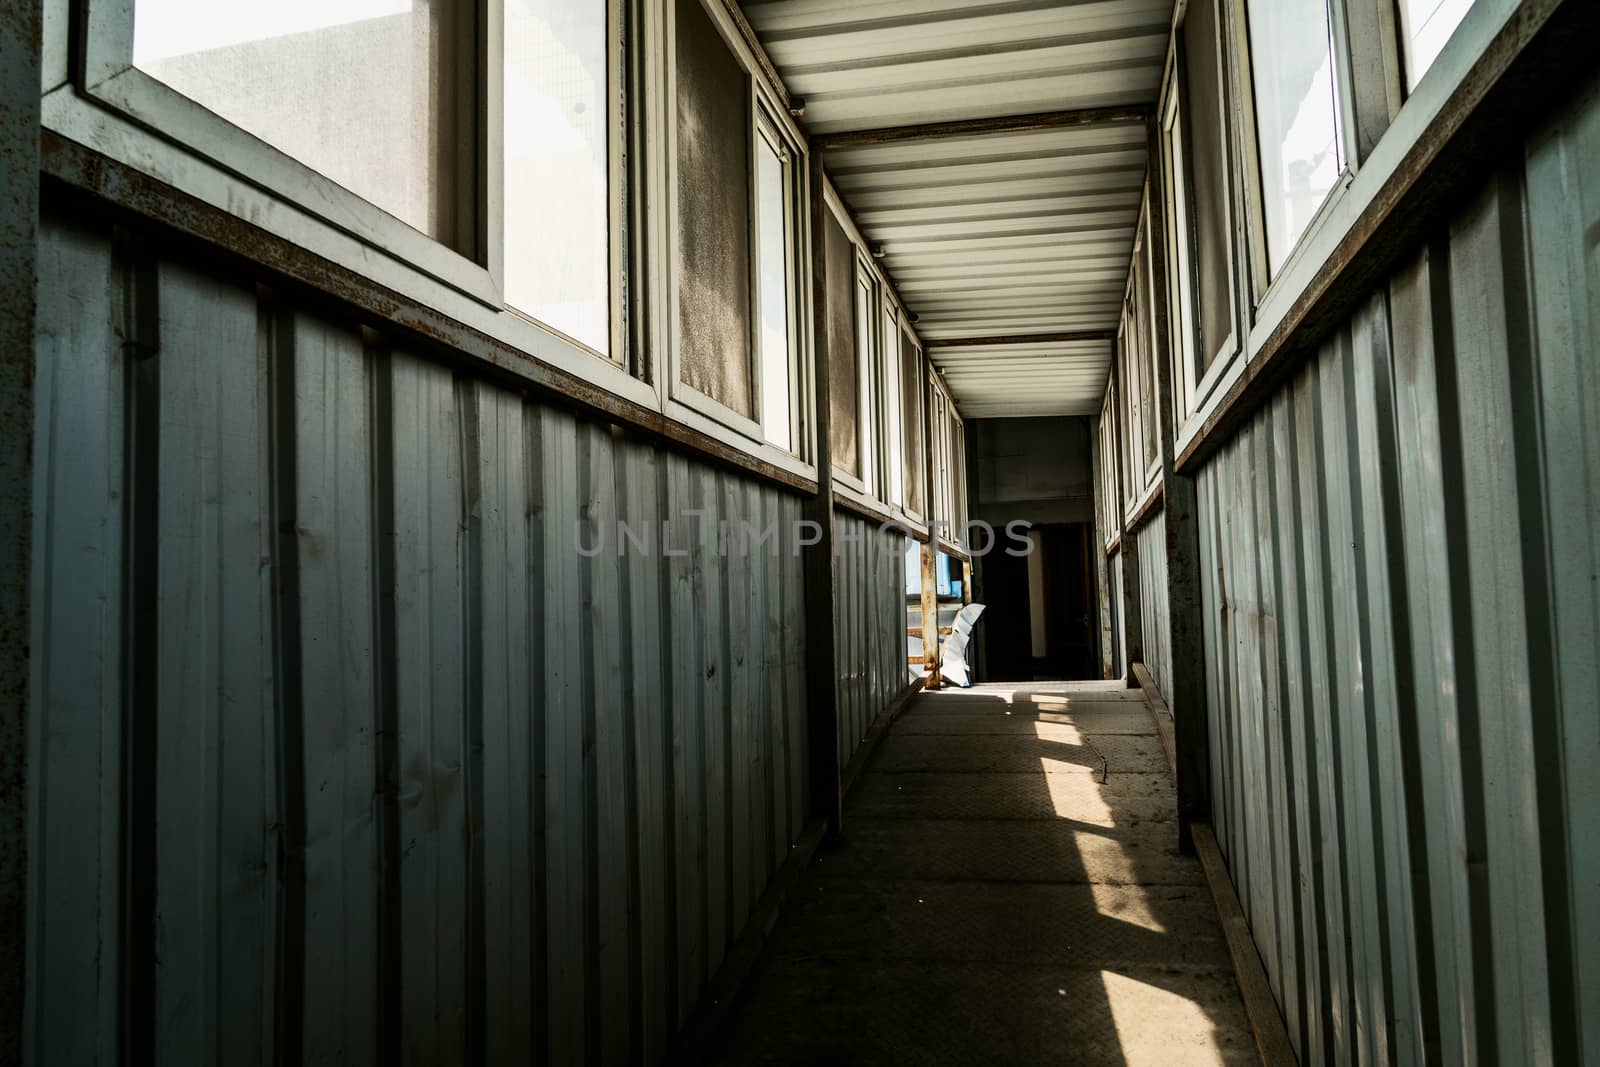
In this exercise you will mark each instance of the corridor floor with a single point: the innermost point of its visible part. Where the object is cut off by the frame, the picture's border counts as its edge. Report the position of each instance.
(1009, 891)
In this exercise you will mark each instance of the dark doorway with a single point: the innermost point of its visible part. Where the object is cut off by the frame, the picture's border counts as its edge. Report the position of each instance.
(1040, 607)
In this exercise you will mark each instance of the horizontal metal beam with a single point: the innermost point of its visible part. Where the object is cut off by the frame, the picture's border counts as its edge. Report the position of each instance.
(1041, 120)
(1021, 339)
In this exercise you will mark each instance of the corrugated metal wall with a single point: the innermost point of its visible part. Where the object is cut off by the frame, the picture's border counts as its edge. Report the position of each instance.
(1154, 624)
(1119, 622)
(869, 625)
(343, 750)
(1400, 561)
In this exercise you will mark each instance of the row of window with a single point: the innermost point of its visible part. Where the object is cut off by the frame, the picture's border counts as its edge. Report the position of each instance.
(500, 146)
(1258, 133)
(888, 414)
(1240, 197)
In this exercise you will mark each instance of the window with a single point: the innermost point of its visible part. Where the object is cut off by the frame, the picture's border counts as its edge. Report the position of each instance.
(1425, 27)
(774, 256)
(1109, 498)
(558, 205)
(1297, 116)
(714, 214)
(1209, 162)
(736, 352)
(866, 361)
(912, 456)
(1181, 303)
(487, 145)
(1128, 365)
(948, 445)
(893, 438)
(1143, 317)
(844, 387)
(301, 75)
(958, 477)
(939, 443)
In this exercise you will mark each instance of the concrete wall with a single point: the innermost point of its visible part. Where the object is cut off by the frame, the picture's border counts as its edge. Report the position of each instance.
(1038, 469)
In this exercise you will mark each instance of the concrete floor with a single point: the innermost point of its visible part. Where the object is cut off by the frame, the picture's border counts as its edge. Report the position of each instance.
(995, 901)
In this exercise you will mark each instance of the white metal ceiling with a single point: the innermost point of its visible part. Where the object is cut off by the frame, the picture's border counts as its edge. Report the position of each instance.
(989, 234)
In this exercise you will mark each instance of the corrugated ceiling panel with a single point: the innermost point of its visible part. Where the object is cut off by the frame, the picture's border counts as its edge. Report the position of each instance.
(905, 61)
(995, 234)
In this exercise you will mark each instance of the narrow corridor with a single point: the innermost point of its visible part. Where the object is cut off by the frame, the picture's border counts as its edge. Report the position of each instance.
(1009, 892)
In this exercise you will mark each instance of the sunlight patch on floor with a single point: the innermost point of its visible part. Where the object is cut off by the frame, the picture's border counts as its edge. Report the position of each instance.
(1157, 1026)
(1126, 903)
(1069, 798)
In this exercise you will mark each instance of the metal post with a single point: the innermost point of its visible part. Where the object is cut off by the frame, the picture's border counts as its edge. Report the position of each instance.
(19, 234)
(930, 613)
(1187, 696)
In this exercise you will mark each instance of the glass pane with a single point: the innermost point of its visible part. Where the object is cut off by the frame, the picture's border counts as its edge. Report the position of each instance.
(843, 377)
(1180, 280)
(557, 202)
(891, 403)
(351, 88)
(1147, 367)
(1297, 116)
(1426, 25)
(864, 360)
(772, 253)
(1211, 253)
(714, 298)
(914, 455)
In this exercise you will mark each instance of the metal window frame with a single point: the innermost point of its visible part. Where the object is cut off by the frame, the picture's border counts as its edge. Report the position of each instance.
(766, 116)
(858, 488)
(392, 258)
(1112, 503)
(1180, 264)
(1258, 263)
(1177, 111)
(893, 417)
(1411, 128)
(789, 159)
(918, 515)
(619, 216)
(106, 74)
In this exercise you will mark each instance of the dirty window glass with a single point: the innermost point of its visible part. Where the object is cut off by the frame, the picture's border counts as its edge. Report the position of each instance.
(1211, 251)
(354, 89)
(1297, 116)
(1425, 28)
(557, 188)
(714, 290)
(843, 376)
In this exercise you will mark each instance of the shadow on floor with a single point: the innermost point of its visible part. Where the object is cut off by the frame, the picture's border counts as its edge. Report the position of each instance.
(1009, 891)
